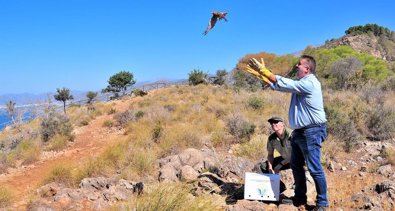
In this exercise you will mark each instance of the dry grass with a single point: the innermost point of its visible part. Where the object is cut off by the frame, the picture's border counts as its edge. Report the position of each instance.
(90, 168)
(57, 143)
(175, 196)
(28, 151)
(255, 149)
(6, 197)
(60, 173)
(389, 154)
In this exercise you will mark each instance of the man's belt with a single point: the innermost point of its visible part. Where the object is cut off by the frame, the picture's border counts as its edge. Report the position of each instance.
(311, 126)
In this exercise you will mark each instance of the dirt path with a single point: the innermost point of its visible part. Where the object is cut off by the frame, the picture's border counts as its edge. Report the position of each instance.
(90, 141)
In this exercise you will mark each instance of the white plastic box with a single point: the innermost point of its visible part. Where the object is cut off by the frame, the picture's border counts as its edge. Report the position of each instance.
(264, 187)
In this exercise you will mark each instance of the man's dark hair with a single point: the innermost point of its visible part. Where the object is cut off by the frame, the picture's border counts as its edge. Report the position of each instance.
(310, 61)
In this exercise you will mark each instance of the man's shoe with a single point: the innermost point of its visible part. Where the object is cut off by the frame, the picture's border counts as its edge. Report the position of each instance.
(319, 208)
(293, 201)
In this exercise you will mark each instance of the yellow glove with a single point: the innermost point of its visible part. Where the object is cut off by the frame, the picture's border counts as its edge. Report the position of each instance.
(258, 75)
(260, 67)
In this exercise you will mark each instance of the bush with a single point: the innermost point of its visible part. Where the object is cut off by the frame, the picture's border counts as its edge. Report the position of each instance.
(240, 128)
(55, 123)
(122, 119)
(139, 92)
(255, 103)
(157, 131)
(108, 123)
(345, 71)
(340, 125)
(220, 78)
(197, 77)
(139, 114)
(381, 123)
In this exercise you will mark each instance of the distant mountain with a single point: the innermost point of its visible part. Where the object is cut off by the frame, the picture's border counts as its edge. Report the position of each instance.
(25, 98)
(28, 98)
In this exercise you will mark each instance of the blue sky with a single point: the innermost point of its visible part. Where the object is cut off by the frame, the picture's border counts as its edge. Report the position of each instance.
(79, 44)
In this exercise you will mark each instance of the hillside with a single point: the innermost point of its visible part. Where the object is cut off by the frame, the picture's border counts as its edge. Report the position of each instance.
(371, 39)
(138, 139)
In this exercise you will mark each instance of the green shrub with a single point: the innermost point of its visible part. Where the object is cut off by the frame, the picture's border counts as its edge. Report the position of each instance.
(197, 77)
(255, 103)
(139, 92)
(139, 114)
(157, 131)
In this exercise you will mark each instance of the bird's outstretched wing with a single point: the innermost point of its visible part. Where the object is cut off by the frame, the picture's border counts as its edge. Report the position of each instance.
(211, 23)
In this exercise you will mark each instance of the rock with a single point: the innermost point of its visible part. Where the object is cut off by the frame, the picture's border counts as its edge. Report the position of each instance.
(385, 170)
(39, 206)
(168, 173)
(100, 205)
(188, 174)
(247, 205)
(352, 163)
(331, 167)
(48, 190)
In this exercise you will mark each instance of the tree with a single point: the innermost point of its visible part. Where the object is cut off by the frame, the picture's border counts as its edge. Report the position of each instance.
(10, 106)
(63, 95)
(220, 77)
(197, 77)
(91, 96)
(120, 81)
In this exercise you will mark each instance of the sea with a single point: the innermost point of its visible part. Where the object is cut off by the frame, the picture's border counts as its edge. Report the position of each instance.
(6, 120)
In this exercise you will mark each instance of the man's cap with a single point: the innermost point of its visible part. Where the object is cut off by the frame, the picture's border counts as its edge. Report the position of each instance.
(275, 119)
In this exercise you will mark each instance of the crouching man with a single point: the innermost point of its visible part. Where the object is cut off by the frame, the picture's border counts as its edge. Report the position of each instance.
(279, 140)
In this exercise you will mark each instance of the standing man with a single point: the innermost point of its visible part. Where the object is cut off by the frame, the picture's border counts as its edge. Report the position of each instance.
(278, 140)
(307, 118)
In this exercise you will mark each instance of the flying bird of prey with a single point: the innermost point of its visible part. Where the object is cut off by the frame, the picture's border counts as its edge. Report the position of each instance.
(216, 16)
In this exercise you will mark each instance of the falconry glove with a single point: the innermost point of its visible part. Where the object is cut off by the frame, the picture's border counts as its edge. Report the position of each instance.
(258, 75)
(260, 67)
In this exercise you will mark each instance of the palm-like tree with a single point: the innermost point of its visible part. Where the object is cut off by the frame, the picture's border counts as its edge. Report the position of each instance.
(63, 95)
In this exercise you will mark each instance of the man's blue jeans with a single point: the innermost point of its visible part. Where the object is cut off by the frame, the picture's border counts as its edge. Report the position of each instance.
(306, 147)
